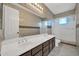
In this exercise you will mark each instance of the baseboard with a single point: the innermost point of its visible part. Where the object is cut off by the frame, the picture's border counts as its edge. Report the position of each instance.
(66, 41)
(69, 44)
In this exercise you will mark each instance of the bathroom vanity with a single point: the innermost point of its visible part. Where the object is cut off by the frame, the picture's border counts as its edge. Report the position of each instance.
(36, 45)
(41, 50)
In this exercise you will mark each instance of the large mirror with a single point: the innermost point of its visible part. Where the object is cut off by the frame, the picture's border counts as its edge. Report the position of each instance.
(29, 22)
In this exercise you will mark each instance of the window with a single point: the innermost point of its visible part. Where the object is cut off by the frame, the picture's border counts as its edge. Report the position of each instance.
(63, 20)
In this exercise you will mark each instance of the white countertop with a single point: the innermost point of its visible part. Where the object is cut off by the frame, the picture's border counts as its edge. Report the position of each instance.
(17, 46)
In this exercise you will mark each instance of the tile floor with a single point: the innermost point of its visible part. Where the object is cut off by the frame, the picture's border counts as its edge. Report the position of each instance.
(64, 50)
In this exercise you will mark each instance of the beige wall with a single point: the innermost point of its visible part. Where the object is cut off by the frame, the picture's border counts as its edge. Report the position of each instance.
(28, 19)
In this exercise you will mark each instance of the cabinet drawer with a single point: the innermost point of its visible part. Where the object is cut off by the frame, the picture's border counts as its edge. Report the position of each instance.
(26, 54)
(46, 43)
(36, 49)
(46, 53)
(39, 53)
(45, 49)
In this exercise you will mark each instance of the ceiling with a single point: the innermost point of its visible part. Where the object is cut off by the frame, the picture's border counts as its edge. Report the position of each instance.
(57, 8)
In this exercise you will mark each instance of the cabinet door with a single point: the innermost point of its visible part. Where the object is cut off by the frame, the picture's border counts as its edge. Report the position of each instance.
(46, 51)
(36, 50)
(11, 22)
(46, 43)
(39, 53)
(51, 44)
(46, 46)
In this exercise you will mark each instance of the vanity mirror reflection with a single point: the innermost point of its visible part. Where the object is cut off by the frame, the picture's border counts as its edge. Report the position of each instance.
(46, 26)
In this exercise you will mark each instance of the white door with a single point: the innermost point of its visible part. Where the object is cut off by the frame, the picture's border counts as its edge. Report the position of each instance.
(11, 22)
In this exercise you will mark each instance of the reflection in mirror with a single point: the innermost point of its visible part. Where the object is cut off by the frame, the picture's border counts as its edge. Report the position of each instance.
(46, 26)
(43, 28)
(49, 26)
(29, 24)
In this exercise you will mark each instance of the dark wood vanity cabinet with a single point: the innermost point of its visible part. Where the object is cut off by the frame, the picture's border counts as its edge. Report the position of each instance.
(41, 50)
(46, 51)
(52, 43)
(45, 43)
(37, 51)
(46, 48)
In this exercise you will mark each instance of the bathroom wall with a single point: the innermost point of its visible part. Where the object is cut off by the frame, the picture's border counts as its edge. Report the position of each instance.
(77, 25)
(65, 32)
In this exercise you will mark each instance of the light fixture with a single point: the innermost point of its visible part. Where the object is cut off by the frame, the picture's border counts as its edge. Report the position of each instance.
(36, 6)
